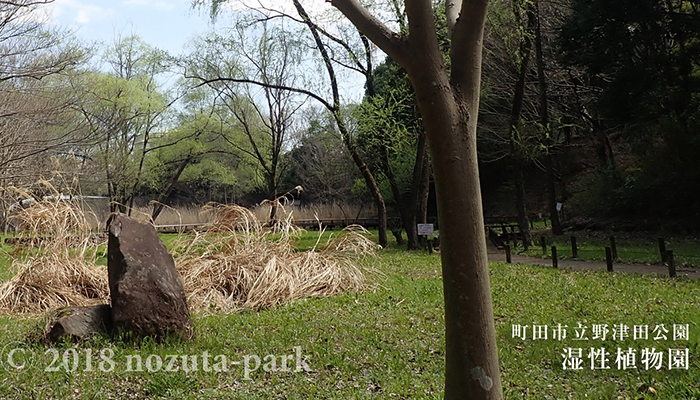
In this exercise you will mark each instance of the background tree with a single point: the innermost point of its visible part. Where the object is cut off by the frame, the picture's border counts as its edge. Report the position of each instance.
(320, 163)
(123, 109)
(617, 46)
(391, 128)
(264, 113)
(35, 107)
(194, 155)
(333, 105)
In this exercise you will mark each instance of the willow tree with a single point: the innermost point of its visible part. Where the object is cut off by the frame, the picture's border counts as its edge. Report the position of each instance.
(448, 98)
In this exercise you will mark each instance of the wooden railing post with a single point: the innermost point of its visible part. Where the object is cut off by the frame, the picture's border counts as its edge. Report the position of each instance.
(671, 264)
(609, 258)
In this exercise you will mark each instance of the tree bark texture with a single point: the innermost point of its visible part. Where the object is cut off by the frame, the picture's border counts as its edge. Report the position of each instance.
(449, 106)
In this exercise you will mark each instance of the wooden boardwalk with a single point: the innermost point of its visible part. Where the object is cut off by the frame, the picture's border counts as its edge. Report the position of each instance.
(310, 224)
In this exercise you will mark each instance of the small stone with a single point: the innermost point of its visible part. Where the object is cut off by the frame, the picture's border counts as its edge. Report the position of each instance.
(78, 323)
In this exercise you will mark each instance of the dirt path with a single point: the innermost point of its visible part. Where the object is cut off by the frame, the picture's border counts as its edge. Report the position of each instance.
(500, 256)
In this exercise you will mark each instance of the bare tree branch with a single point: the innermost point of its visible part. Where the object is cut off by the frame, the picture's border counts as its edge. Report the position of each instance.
(204, 81)
(391, 42)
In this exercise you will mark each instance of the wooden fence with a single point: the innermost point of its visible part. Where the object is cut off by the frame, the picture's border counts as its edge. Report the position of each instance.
(663, 256)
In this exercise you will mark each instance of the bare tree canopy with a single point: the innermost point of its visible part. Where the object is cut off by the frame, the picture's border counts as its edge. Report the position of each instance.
(35, 109)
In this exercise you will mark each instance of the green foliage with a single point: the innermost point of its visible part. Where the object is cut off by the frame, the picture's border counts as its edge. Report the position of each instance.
(5, 261)
(389, 122)
(645, 57)
(624, 43)
(653, 185)
(122, 109)
(202, 142)
(604, 193)
(248, 70)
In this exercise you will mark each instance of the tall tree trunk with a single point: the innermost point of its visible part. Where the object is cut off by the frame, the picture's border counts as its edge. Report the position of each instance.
(449, 107)
(470, 337)
(410, 211)
(520, 206)
(517, 161)
(605, 153)
(548, 134)
(404, 212)
(396, 192)
(551, 195)
(347, 139)
(423, 193)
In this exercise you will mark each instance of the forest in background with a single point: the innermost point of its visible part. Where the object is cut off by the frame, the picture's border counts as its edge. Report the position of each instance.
(590, 104)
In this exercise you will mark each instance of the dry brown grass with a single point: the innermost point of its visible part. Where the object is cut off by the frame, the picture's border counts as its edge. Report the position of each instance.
(238, 266)
(59, 266)
(50, 281)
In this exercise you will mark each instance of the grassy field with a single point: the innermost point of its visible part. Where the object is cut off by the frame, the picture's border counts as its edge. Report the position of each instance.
(382, 344)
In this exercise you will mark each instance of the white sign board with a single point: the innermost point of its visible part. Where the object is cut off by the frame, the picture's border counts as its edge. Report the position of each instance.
(426, 230)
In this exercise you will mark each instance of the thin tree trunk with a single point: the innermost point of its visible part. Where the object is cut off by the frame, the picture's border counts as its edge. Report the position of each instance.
(139, 172)
(551, 195)
(523, 220)
(423, 193)
(449, 111)
(449, 107)
(544, 118)
(272, 190)
(605, 151)
(376, 195)
(419, 188)
(396, 192)
(273, 209)
(347, 140)
(163, 198)
(516, 158)
(470, 337)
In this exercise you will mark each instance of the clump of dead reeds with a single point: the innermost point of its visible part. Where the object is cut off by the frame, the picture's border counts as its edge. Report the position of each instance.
(231, 218)
(59, 266)
(48, 281)
(239, 265)
(53, 222)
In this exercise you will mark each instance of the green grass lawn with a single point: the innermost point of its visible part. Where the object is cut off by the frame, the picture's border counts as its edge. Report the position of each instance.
(388, 343)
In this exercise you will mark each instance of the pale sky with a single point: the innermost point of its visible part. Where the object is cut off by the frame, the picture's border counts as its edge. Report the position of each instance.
(167, 25)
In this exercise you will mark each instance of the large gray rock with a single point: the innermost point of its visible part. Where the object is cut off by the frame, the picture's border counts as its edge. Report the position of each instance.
(147, 294)
(77, 323)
